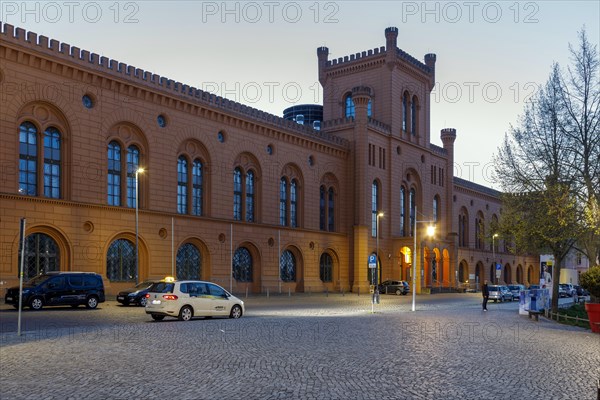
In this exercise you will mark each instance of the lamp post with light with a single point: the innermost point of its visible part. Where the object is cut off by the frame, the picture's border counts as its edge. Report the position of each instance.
(137, 251)
(379, 214)
(494, 236)
(430, 232)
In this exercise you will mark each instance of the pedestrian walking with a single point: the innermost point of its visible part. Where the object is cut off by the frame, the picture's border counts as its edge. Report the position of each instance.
(486, 295)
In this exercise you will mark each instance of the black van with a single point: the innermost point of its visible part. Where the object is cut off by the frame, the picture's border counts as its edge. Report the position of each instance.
(59, 289)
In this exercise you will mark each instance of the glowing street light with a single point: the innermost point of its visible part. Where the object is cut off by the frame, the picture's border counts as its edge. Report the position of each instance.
(430, 233)
(137, 251)
(494, 236)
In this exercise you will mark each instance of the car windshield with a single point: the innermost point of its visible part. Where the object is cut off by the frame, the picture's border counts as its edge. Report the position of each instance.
(494, 288)
(144, 285)
(162, 287)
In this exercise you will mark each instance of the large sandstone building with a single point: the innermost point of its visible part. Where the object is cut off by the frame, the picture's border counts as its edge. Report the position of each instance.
(229, 193)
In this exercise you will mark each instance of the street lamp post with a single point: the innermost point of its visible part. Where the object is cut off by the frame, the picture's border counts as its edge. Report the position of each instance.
(379, 214)
(430, 232)
(494, 236)
(137, 247)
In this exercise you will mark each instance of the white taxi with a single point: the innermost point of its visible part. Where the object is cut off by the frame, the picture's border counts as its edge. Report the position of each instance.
(186, 299)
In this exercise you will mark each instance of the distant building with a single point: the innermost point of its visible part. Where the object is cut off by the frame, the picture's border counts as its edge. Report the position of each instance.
(230, 193)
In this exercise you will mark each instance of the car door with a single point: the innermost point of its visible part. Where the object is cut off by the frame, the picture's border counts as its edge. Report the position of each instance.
(220, 303)
(199, 298)
(54, 290)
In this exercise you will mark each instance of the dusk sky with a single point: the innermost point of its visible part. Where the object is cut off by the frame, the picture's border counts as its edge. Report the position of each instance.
(490, 55)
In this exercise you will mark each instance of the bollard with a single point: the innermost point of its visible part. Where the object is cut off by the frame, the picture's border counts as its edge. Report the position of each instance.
(358, 290)
(246, 291)
(326, 292)
(289, 292)
(342, 292)
(267, 293)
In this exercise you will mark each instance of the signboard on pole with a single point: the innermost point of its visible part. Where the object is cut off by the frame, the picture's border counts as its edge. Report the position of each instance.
(498, 270)
(372, 261)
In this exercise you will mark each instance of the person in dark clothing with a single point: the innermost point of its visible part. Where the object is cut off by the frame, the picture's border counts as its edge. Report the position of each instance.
(486, 295)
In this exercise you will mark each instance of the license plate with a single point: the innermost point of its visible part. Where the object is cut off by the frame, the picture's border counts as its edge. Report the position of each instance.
(9, 299)
(155, 301)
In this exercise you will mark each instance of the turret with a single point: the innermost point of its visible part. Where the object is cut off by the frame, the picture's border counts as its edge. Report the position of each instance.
(322, 55)
(430, 62)
(391, 45)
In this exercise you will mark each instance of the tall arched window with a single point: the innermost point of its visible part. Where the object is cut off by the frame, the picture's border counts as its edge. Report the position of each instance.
(28, 159)
(197, 189)
(114, 174)
(287, 267)
(283, 202)
(331, 210)
(322, 208)
(250, 196)
(413, 115)
(237, 194)
(189, 262)
(133, 164)
(402, 211)
(349, 106)
(374, 207)
(370, 108)
(293, 204)
(326, 268)
(479, 231)
(120, 261)
(182, 185)
(463, 228)
(405, 112)
(412, 199)
(41, 255)
(52, 161)
(436, 209)
(242, 265)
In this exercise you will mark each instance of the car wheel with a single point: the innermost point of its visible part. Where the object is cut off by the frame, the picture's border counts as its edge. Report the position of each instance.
(398, 292)
(186, 313)
(158, 317)
(36, 303)
(92, 302)
(236, 312)
(143, 301)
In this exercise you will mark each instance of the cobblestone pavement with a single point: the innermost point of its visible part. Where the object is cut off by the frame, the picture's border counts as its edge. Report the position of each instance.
(300, 347)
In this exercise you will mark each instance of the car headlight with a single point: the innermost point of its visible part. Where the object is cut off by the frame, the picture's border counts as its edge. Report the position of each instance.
(25, 291)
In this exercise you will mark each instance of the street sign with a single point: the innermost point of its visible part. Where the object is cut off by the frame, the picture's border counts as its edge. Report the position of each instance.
(372, 261)
(498, 270)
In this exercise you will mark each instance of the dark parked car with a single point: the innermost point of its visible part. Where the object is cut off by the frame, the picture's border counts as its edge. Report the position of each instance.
(581, 291)
(136, 294)
(59, 289)
(396, 287)
(499, 293)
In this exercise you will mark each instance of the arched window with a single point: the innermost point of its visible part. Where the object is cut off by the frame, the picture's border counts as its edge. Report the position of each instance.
(120, 261)
(436, 209)
(374, 207)
(52, 161)
(133, 164)
(331, 210)
(242, 265)
(463, 228)
(349, 106)
(182, 185)
(413, 115)
(28, 159)
(237, 194)
(402, 211)
(370, 108)
(326, 268)
(287, 267)
(189, 262)
(283, 202)
(197, 189)
(41, 255)
(405, 112)
(293, 204)
(412, 199)
(463, 272)
(322, 208)
(114, 174)
(250, 196)
(479, 231)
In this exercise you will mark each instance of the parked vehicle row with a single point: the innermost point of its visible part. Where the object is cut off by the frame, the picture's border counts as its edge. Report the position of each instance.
(183, 299)
(394, 287)
(499, 293)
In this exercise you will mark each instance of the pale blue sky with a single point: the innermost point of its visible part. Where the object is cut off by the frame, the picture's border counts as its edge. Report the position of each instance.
(489, 54)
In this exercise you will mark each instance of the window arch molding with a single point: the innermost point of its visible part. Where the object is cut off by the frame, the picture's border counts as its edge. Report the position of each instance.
(206, 271)
(56, 234)
(195, 151)
(143, 263)
(44, 116)
(299, 264)
(291, 174)
(248, 164)
(129, 136)
(329, 207)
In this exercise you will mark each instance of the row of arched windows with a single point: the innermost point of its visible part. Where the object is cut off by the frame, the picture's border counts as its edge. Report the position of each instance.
(479, 238)
(42, 255)
(410, 118)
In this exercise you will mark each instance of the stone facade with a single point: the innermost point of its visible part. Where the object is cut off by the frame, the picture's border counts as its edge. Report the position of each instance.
(323, 227)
